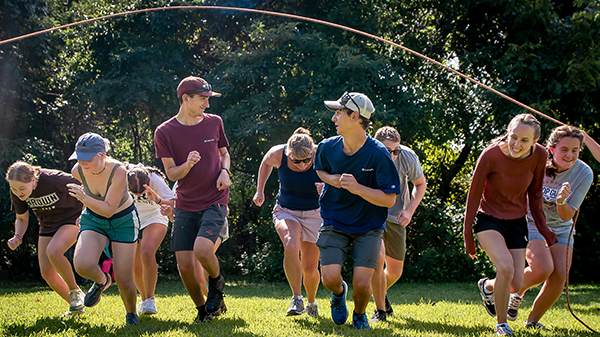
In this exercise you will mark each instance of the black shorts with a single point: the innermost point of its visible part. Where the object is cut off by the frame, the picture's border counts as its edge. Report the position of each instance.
(514, 231)
(189, 225)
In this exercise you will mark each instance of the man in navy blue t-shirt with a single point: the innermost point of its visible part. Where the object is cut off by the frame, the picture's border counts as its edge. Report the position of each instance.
(361, 183)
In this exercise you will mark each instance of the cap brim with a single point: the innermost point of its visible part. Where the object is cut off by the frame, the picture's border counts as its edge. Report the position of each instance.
(333, 105)
(83, 156)
(210, 94)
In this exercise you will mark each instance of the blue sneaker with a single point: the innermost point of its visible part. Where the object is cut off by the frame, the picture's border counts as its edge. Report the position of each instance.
(360, 322)
(339, 310)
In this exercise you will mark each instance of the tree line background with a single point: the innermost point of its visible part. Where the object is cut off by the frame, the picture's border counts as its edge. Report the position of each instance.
(118, 78)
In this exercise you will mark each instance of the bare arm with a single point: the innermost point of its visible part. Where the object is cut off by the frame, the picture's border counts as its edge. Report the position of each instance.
(592, 145)
(271, 159)
(175, 172)
(330, 179)
(565, 211)
(21, 224)
(224, 181)
(110, 205)
(417, 195)
(375, 196)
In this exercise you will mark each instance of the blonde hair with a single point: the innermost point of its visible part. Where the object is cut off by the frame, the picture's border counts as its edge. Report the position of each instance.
(22, 171)
(387, 133)
(300, 144)
(526, 119)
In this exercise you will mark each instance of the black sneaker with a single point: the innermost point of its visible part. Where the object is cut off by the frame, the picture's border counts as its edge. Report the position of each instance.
(388, 306)
(132, 319)
(378, 316)
(488, 298)
(95, 292)
(214, 300)
(202, 316)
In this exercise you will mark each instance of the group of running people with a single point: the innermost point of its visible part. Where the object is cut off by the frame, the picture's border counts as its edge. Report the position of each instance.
(348, 194)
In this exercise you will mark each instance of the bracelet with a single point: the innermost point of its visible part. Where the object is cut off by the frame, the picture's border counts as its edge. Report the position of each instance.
(159, 200)
(18, 236)
(562, 202)
(226, 169)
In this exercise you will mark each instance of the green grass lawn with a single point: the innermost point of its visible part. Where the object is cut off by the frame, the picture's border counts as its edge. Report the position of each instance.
(441, 309)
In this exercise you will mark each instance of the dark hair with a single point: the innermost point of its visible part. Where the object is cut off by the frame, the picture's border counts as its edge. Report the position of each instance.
(557, 134)
(364, 122)
(387, 133)
(138, 176)
(527, 119)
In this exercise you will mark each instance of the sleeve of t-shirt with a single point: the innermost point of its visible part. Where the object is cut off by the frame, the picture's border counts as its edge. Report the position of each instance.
(474, 199)
(158, 184)
(16, 205)
(411, 165)
(536, 200)
(223, 142)
(386, 174)
(321, 162)
(161, 145)
(579, 191)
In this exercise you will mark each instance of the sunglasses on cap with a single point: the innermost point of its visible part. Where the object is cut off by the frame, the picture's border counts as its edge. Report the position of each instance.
(394, 152)
(206, 87)
(346, 98)
(298, 161)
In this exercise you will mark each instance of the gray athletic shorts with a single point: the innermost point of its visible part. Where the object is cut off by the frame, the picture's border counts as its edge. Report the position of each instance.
(394, 239)
(334, 245)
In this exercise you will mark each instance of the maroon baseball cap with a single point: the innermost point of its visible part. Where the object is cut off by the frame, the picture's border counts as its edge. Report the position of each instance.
(195, 85)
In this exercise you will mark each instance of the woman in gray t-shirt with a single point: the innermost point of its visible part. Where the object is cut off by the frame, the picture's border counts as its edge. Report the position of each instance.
(566, 183)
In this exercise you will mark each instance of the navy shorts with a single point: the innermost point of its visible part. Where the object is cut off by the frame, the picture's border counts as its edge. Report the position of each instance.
(514, 231)
(189, 225)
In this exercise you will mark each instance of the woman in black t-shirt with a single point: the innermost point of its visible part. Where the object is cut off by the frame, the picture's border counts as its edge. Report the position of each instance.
(45, 192)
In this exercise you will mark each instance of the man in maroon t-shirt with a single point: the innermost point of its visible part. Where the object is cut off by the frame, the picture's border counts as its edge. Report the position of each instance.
(193, 149)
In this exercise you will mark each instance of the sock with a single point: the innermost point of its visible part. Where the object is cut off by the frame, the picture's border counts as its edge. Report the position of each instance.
(297, 296)
(485, 289)
(313, 303)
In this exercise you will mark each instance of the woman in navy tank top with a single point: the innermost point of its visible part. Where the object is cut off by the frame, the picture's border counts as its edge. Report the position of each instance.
(296, 215)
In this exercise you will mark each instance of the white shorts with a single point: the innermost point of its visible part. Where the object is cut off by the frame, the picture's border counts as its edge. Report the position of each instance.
(310, 221)
(152, 217)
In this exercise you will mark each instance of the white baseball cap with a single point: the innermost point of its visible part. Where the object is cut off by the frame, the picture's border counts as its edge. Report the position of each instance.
(354, 101)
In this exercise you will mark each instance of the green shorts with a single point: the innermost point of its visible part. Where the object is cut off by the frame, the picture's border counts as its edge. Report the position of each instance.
(122, 227)
(394, 239)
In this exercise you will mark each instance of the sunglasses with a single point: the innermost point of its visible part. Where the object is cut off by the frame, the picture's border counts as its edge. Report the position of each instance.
(395, 152)
(347, 98)
(298, 161)
(206, 87)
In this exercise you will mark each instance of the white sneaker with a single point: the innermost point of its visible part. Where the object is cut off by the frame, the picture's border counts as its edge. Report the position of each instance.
(503, 329)
(147, 307)
(76, 297)
(312, 309)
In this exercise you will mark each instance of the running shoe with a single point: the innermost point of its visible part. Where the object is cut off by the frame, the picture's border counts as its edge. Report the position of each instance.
(296, 307)
(360, 322)
(388, 306)
(536, 325)
(76, 297)
(339, 310)
(214, 301)
(312, 309)
(378, 316)
(488, 298)
(513, 306)
(95, 292)
(202, 316)
(503, 329)
(147, 307)
(132, 319)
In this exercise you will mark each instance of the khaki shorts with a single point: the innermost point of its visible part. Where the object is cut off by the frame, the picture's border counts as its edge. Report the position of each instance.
(310, 221)
(394, 239)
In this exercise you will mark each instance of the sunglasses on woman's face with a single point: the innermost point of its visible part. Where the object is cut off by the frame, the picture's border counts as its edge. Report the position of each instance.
(298, 161)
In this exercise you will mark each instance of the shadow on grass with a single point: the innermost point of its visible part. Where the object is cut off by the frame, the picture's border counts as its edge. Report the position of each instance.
(222, 326)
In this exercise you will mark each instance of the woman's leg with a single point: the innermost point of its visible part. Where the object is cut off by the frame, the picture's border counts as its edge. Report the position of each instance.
(540, 266)
(138, 271)
(310, 269)
(153, 236)
(494, 245)
(552, 289)
(123, 260)
(48, 271)
(87, 255)
(290, 232)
